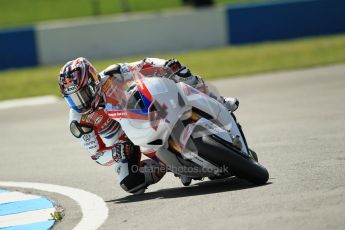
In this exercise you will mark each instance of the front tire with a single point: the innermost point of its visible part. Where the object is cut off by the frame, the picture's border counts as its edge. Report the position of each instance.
(242, 167)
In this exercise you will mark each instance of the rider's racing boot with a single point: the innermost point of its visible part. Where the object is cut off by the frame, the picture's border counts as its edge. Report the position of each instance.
(231, 103)
(152, 171)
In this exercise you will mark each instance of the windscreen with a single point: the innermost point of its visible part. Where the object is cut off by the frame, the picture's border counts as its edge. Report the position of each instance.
(134, 100)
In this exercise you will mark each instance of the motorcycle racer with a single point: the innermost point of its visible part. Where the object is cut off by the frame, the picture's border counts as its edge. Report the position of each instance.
(87, 91)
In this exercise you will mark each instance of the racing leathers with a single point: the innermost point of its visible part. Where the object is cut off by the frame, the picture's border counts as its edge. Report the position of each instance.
(106, 142)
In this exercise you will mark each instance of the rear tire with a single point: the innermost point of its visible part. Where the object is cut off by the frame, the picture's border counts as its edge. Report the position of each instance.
(239, 165)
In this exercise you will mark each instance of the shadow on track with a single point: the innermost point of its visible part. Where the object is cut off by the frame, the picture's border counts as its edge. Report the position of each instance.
(201, 188)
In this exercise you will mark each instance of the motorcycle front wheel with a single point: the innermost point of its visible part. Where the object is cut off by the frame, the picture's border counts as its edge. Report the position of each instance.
(212, 149)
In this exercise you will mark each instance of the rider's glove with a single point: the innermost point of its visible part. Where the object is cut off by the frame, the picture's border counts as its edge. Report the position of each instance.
(231, 103)
(122, 150)
(173, 64)
(180, 70)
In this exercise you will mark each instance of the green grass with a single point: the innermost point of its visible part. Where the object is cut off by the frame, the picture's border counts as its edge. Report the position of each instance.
(26, 12)
(210, 63)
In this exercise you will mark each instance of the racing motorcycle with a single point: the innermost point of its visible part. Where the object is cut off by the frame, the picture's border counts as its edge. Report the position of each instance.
(190, 133)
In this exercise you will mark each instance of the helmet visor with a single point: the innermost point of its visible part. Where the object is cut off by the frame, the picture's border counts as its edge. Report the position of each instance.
(81, 101)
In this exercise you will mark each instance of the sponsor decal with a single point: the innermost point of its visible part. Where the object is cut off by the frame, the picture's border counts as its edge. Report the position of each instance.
(92, 147)
(98, 119)
(119, 113)
(126, 114)
(86, 137)
(105, 124)
(90, 143)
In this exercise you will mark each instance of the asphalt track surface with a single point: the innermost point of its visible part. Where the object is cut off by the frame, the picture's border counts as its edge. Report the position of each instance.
(294, 120)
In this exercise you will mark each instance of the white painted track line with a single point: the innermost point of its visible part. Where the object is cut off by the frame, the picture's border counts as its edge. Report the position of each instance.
(15, 196)
(93, 207)
(26, 217)
(32, 101)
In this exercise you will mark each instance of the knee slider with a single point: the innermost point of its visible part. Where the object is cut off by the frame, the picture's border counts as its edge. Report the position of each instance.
(133, 182)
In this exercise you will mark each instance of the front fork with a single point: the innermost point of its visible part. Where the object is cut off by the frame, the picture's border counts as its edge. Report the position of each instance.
(237, 135)
(242, 134)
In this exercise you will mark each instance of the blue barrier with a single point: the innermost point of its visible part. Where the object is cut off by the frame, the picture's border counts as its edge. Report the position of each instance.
(246, 23)
(17, 48)
(284, 20)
